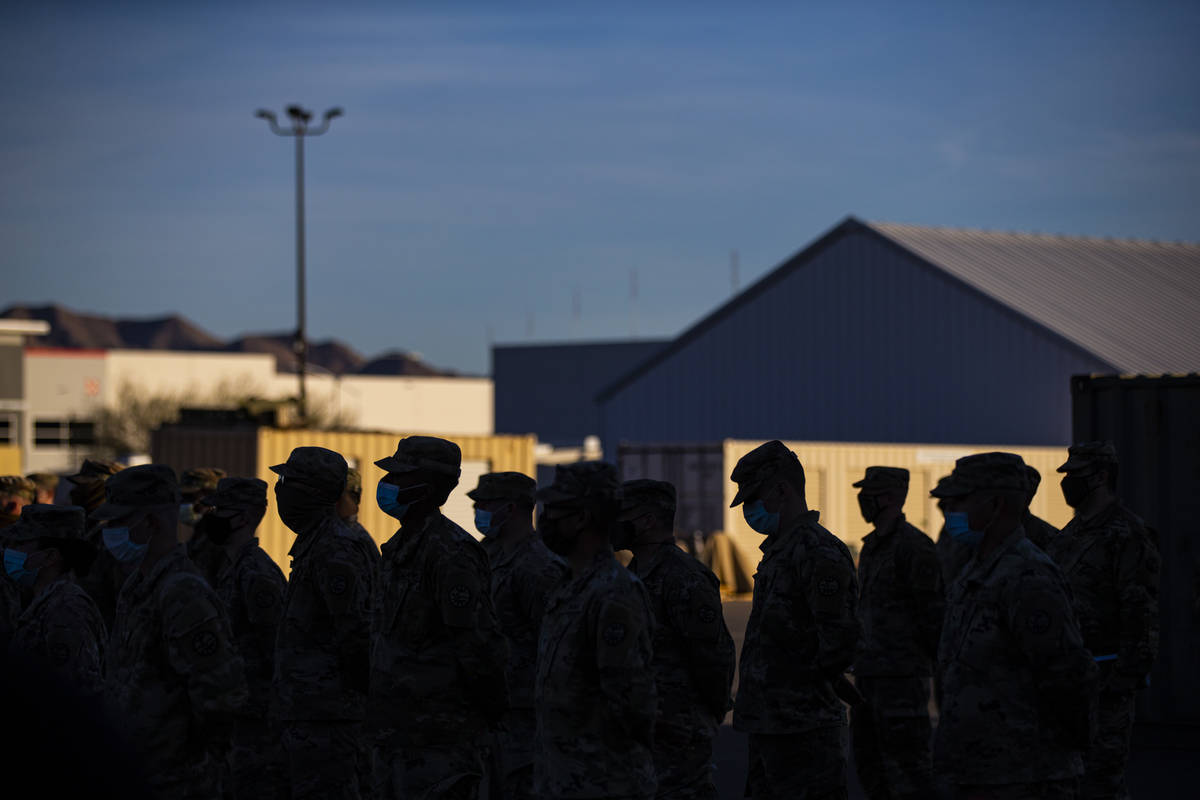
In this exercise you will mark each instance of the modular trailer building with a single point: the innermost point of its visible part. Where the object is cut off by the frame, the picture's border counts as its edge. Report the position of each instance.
(897, 333)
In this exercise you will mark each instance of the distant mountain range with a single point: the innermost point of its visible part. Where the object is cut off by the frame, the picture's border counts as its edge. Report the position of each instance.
(92, 331)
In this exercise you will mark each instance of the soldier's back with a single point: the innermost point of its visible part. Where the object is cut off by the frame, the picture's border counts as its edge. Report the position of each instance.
(595, 690)
(693, 667)
(803, 629)
(1010, 648)
(172, 666)
(62, 629)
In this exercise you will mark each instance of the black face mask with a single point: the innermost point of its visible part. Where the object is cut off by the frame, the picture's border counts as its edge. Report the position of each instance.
(1075, 489)
(625, 535)
(869, 506)
(299, 509)
(217, 529)
(553, 537)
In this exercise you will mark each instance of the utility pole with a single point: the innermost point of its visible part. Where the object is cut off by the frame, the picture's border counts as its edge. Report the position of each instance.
(299, 129)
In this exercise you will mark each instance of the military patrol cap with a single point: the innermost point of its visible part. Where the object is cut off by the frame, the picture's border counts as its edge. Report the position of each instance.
(95, 469)
(1033, 479)
(321, 469)
(882, 478)
(505, 486)
(759, 465)
(1090, 454)
(644, 492)
(353, 480)
(45, 481)
(996, 472)
(42, 521)
(427, 453)
(200, 481)
(582, 484)
(19, 486)
(238, 493)
(138, 488)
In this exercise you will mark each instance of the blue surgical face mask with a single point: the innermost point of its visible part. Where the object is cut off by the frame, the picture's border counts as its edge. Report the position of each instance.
(489, 523)
(385, 496)
(758, 518)
(14, 566)
(960, 530)
(123, 549)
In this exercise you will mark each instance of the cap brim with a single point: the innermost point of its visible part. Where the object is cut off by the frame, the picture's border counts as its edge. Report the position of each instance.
(744, 491)
(109, 511)
(1074, 462)
(551, 495)
(392, 464)
(20, 533)
(950, 490)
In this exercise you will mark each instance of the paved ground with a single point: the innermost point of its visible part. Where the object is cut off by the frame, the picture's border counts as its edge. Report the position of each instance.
(1161, 767)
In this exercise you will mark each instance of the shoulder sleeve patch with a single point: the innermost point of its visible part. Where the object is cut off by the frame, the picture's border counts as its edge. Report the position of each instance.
(828, 585)
(264, 601)
(459, 593)
(618, 631)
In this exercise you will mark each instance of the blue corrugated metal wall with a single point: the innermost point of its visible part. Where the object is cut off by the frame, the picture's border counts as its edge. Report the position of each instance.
(550, 390)
(863, 343)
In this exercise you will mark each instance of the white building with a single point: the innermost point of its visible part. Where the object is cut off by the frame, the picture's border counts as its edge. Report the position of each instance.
(66, 388)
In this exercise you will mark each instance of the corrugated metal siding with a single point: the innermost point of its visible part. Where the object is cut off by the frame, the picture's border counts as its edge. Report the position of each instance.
(863, 342)
(696, 470)
(831, 468)
(184, 447)
(1155, 424)
(1135, 304)
(10, 460)
(500, 453)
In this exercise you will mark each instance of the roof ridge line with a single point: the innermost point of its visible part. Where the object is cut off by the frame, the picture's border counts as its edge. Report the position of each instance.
(1038, 234)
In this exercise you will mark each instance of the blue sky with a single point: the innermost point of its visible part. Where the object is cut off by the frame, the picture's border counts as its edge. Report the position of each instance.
(497, 159)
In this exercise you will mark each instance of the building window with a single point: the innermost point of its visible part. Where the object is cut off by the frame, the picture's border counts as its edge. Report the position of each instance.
(62, 433)
(8, 430)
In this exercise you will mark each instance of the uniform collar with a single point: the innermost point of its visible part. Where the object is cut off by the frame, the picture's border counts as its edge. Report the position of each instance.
(657, 556)
(976, 571)
(47, 590)
(775, 540)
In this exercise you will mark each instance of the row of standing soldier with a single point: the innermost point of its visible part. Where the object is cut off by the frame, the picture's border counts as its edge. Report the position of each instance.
(538, 663)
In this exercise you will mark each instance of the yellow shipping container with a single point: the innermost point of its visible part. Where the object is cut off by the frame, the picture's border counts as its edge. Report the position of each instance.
(831, 468)
(10, 459)
(480, 454)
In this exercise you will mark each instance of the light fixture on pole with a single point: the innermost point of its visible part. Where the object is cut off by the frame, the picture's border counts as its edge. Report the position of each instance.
(300, 119)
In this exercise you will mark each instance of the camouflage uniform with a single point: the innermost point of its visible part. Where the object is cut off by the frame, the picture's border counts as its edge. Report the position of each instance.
(693, 655)
(594, 690)
(1016, 680)
(799, 642)
(103, 581)
(437, 668)
(1112, 565)
(194, 485)
(901, 606)
(322, 651)
(251, 588)
(10, 610)
(172, 673)
(62, 628)
(522, 578)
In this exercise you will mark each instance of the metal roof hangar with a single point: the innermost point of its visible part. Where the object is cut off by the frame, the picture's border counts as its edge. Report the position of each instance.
(897, 333)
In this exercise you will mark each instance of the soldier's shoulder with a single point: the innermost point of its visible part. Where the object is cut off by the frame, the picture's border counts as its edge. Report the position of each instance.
(685, 569)
(71, 601)
(540, 560)
(1026, 565)
(819, 543)
(912, 536)
(339, 540)
(1125, 522)
(257, 563)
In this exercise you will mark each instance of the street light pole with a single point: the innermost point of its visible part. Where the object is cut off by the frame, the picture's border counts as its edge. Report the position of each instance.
(299, 129)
